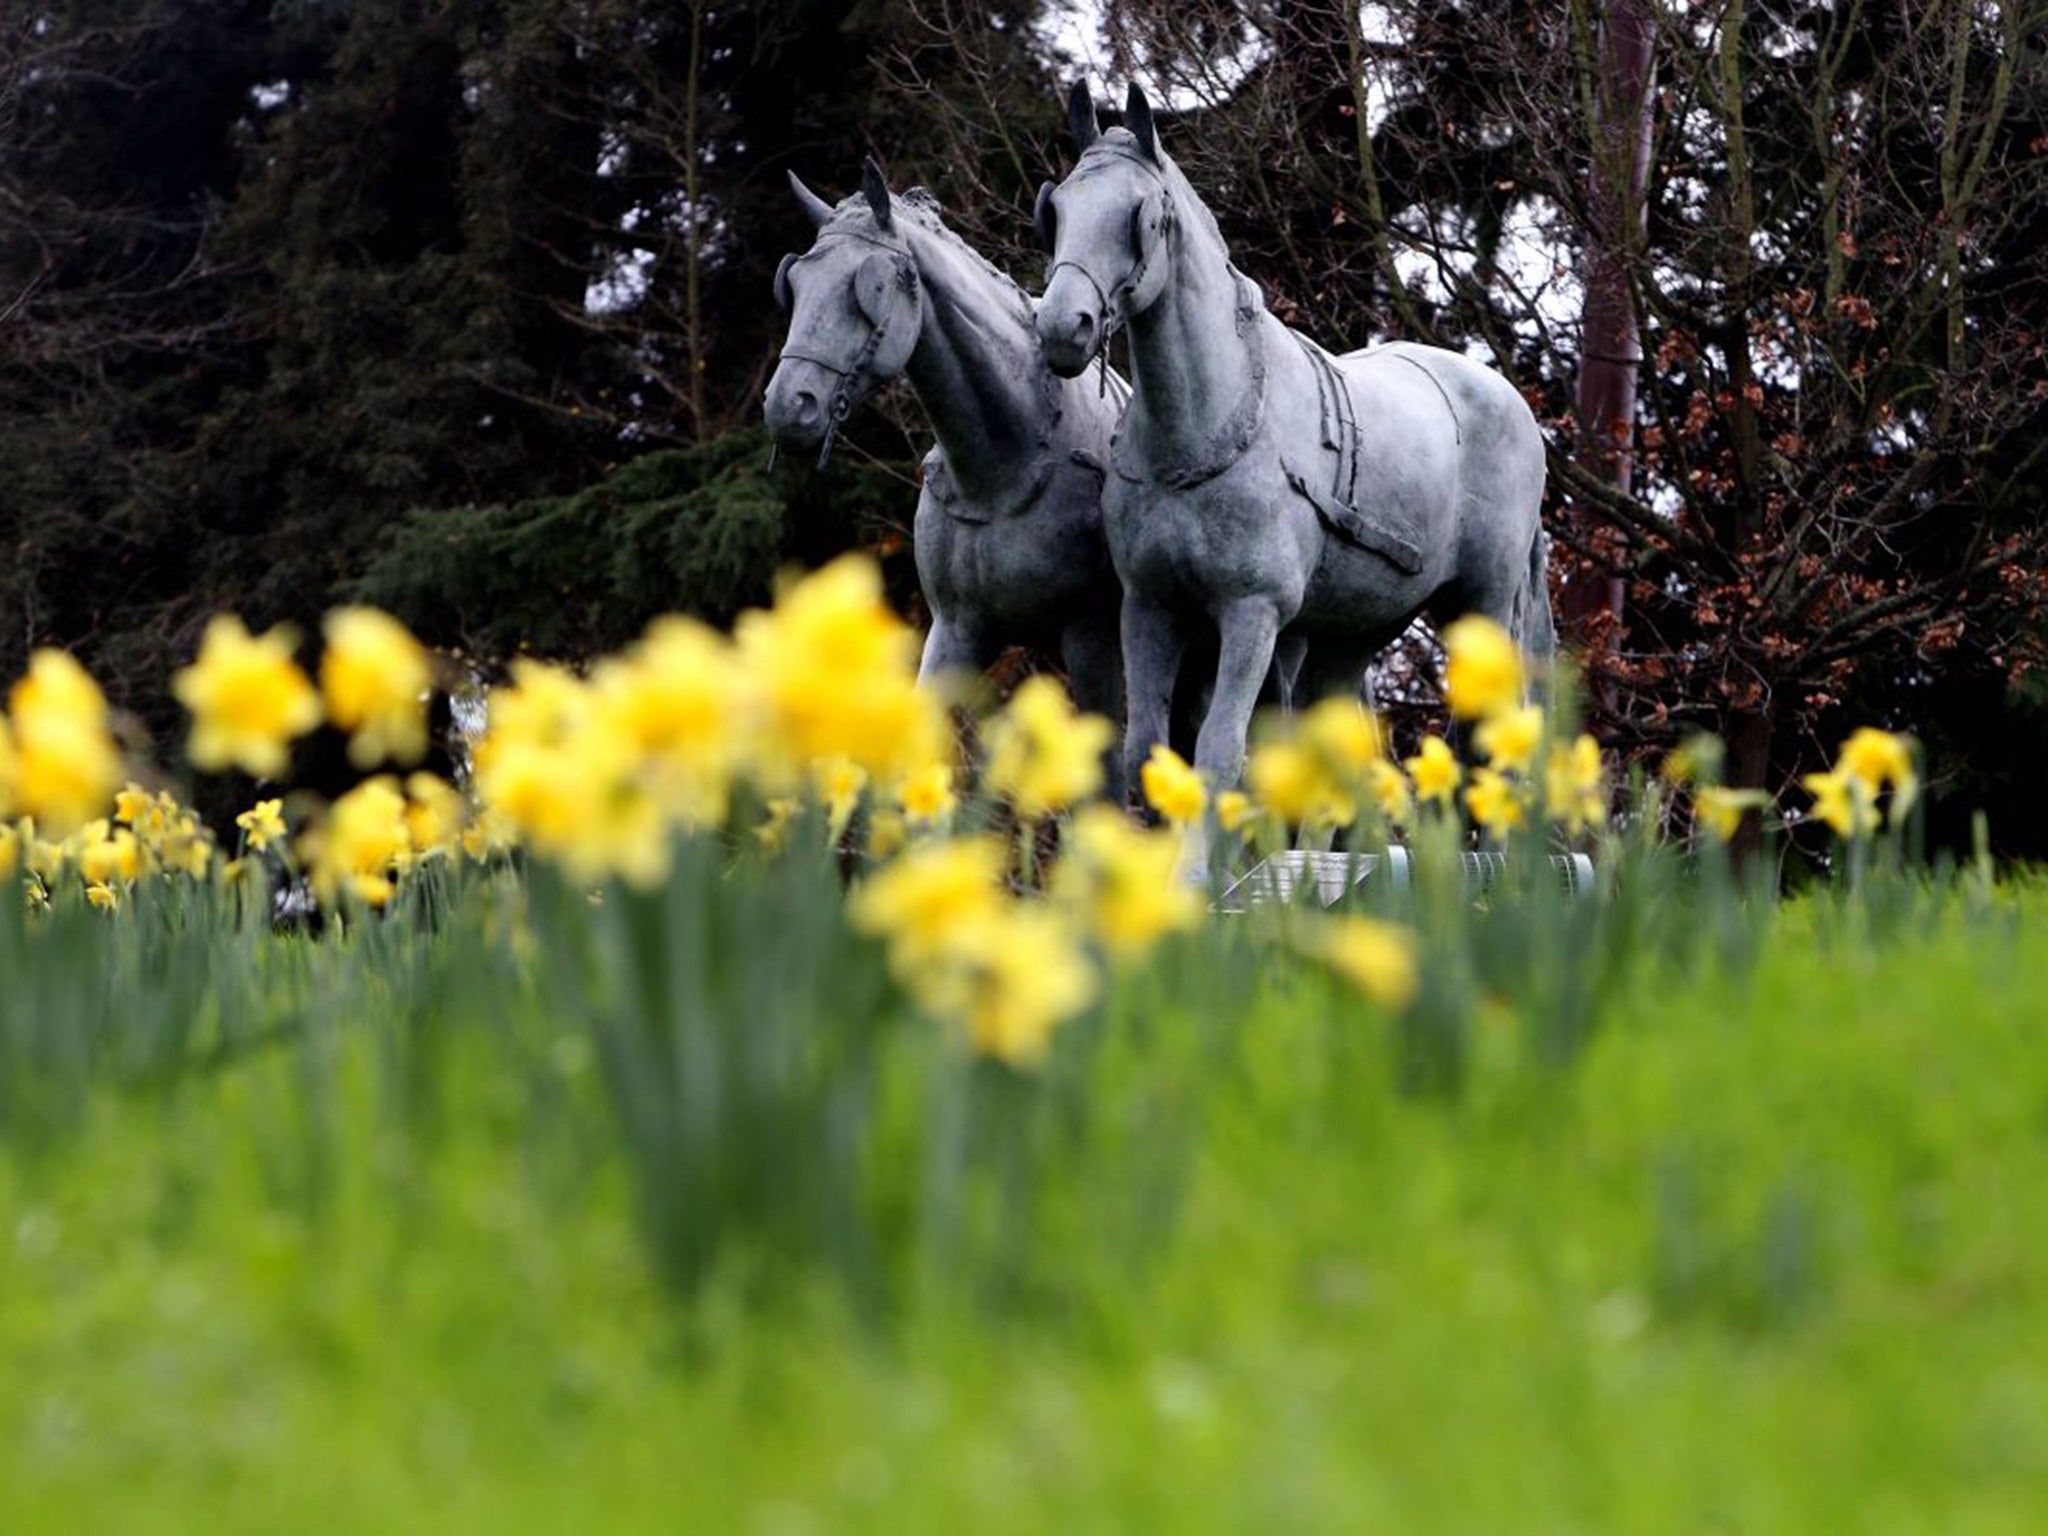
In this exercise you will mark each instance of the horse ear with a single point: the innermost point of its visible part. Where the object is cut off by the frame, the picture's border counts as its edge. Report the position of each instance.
(1138, 118)
(782, 299)
(812, 204)
(1081, 117)
(876, 188)
(1044, 220)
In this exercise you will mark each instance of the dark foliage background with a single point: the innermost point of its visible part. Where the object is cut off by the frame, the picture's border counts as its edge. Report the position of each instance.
(460, 306)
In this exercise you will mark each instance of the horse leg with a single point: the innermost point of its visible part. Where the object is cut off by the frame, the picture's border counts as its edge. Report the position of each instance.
(1153, 641)
(1094, 658)
(952, 647)
(1246, 630)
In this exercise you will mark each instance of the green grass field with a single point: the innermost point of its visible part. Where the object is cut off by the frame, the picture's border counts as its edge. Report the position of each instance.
(1655, 1214)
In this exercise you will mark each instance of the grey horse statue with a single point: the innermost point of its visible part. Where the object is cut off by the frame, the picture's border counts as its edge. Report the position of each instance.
(1008, 534)
(1264, 494)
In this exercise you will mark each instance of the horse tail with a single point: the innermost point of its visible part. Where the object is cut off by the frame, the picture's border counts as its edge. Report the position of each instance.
(1539, 632)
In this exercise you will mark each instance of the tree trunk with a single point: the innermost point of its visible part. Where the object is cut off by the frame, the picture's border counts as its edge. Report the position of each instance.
(1610, 347)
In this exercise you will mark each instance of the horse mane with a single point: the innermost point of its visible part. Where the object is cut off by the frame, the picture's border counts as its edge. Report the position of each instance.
(921, 208)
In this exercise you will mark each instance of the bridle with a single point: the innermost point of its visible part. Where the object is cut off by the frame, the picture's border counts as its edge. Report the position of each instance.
(849, 377)
(1116, 301)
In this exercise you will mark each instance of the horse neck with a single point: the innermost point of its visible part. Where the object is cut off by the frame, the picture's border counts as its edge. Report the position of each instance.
(1191, 362)
(975, 367)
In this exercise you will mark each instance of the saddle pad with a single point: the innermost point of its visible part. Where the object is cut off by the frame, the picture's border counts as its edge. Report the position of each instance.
(1331, 484)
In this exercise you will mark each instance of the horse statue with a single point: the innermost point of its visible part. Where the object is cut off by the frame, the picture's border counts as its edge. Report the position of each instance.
(1264, 493)
(1008, 535)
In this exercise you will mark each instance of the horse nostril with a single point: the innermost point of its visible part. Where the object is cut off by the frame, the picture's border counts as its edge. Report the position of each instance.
(1084, 328)
(807, 412)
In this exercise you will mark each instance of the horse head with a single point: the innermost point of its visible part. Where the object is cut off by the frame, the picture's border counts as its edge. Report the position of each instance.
(1107, 229)
(855, 309)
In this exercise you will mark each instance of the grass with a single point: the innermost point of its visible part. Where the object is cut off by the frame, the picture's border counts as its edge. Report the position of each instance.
(1659, 1213)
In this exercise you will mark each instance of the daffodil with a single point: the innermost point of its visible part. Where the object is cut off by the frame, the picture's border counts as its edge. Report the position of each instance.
(65, 763)
(1510, 736)
(374, 678)
(840, 781)
(1172, 788)
(362, 843)
(106, 854)
(248, 699)
(1294, 783)
(927, 899)
(1482, 668)
(679, 700)
(1435, 772)
(1121, 885)
(1575, 784)
(1720, 810)
(262, 824)
(926, 795)
(1009, 982)
(1879, 759)
(1042, 754)
(1375, 957)
(435, 813)
(834, 673)
(1845, 802)
(103, 897)
(1234, 808)
(1495, 801)
(1343, 735)
(1388, 786)
(1696, 760)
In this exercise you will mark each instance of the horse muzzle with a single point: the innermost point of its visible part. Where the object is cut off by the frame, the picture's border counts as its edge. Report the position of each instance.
(1070, 328)
(797, 405)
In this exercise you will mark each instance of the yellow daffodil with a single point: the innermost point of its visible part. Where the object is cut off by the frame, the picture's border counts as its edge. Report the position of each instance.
(1120, 883)
(1375, 957)
(1720, 810)
(1172, 788)
(1435, 771)
(262, 824)
(1042, 754)
(374, 678)
(10, 850)
(1482, 668)
(1295, 784)
(435, 813)
(835, 676)
(10, 767)
(679, 700)
(1234, 808)
(926, 796)
(924, 901)
(1495, 801)
(1388, 786)
(1008, 982)
(362, 843)
(1696, 760)
(773, 831)
(1344, 736)
(887, 834)
(1575, 785)
(564, 772)
(107, 854)
(65, 763)
(1879, 759)
(840, 781)
(248, 699)
(103, 896)
(1510, 736)
(1846, 803)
